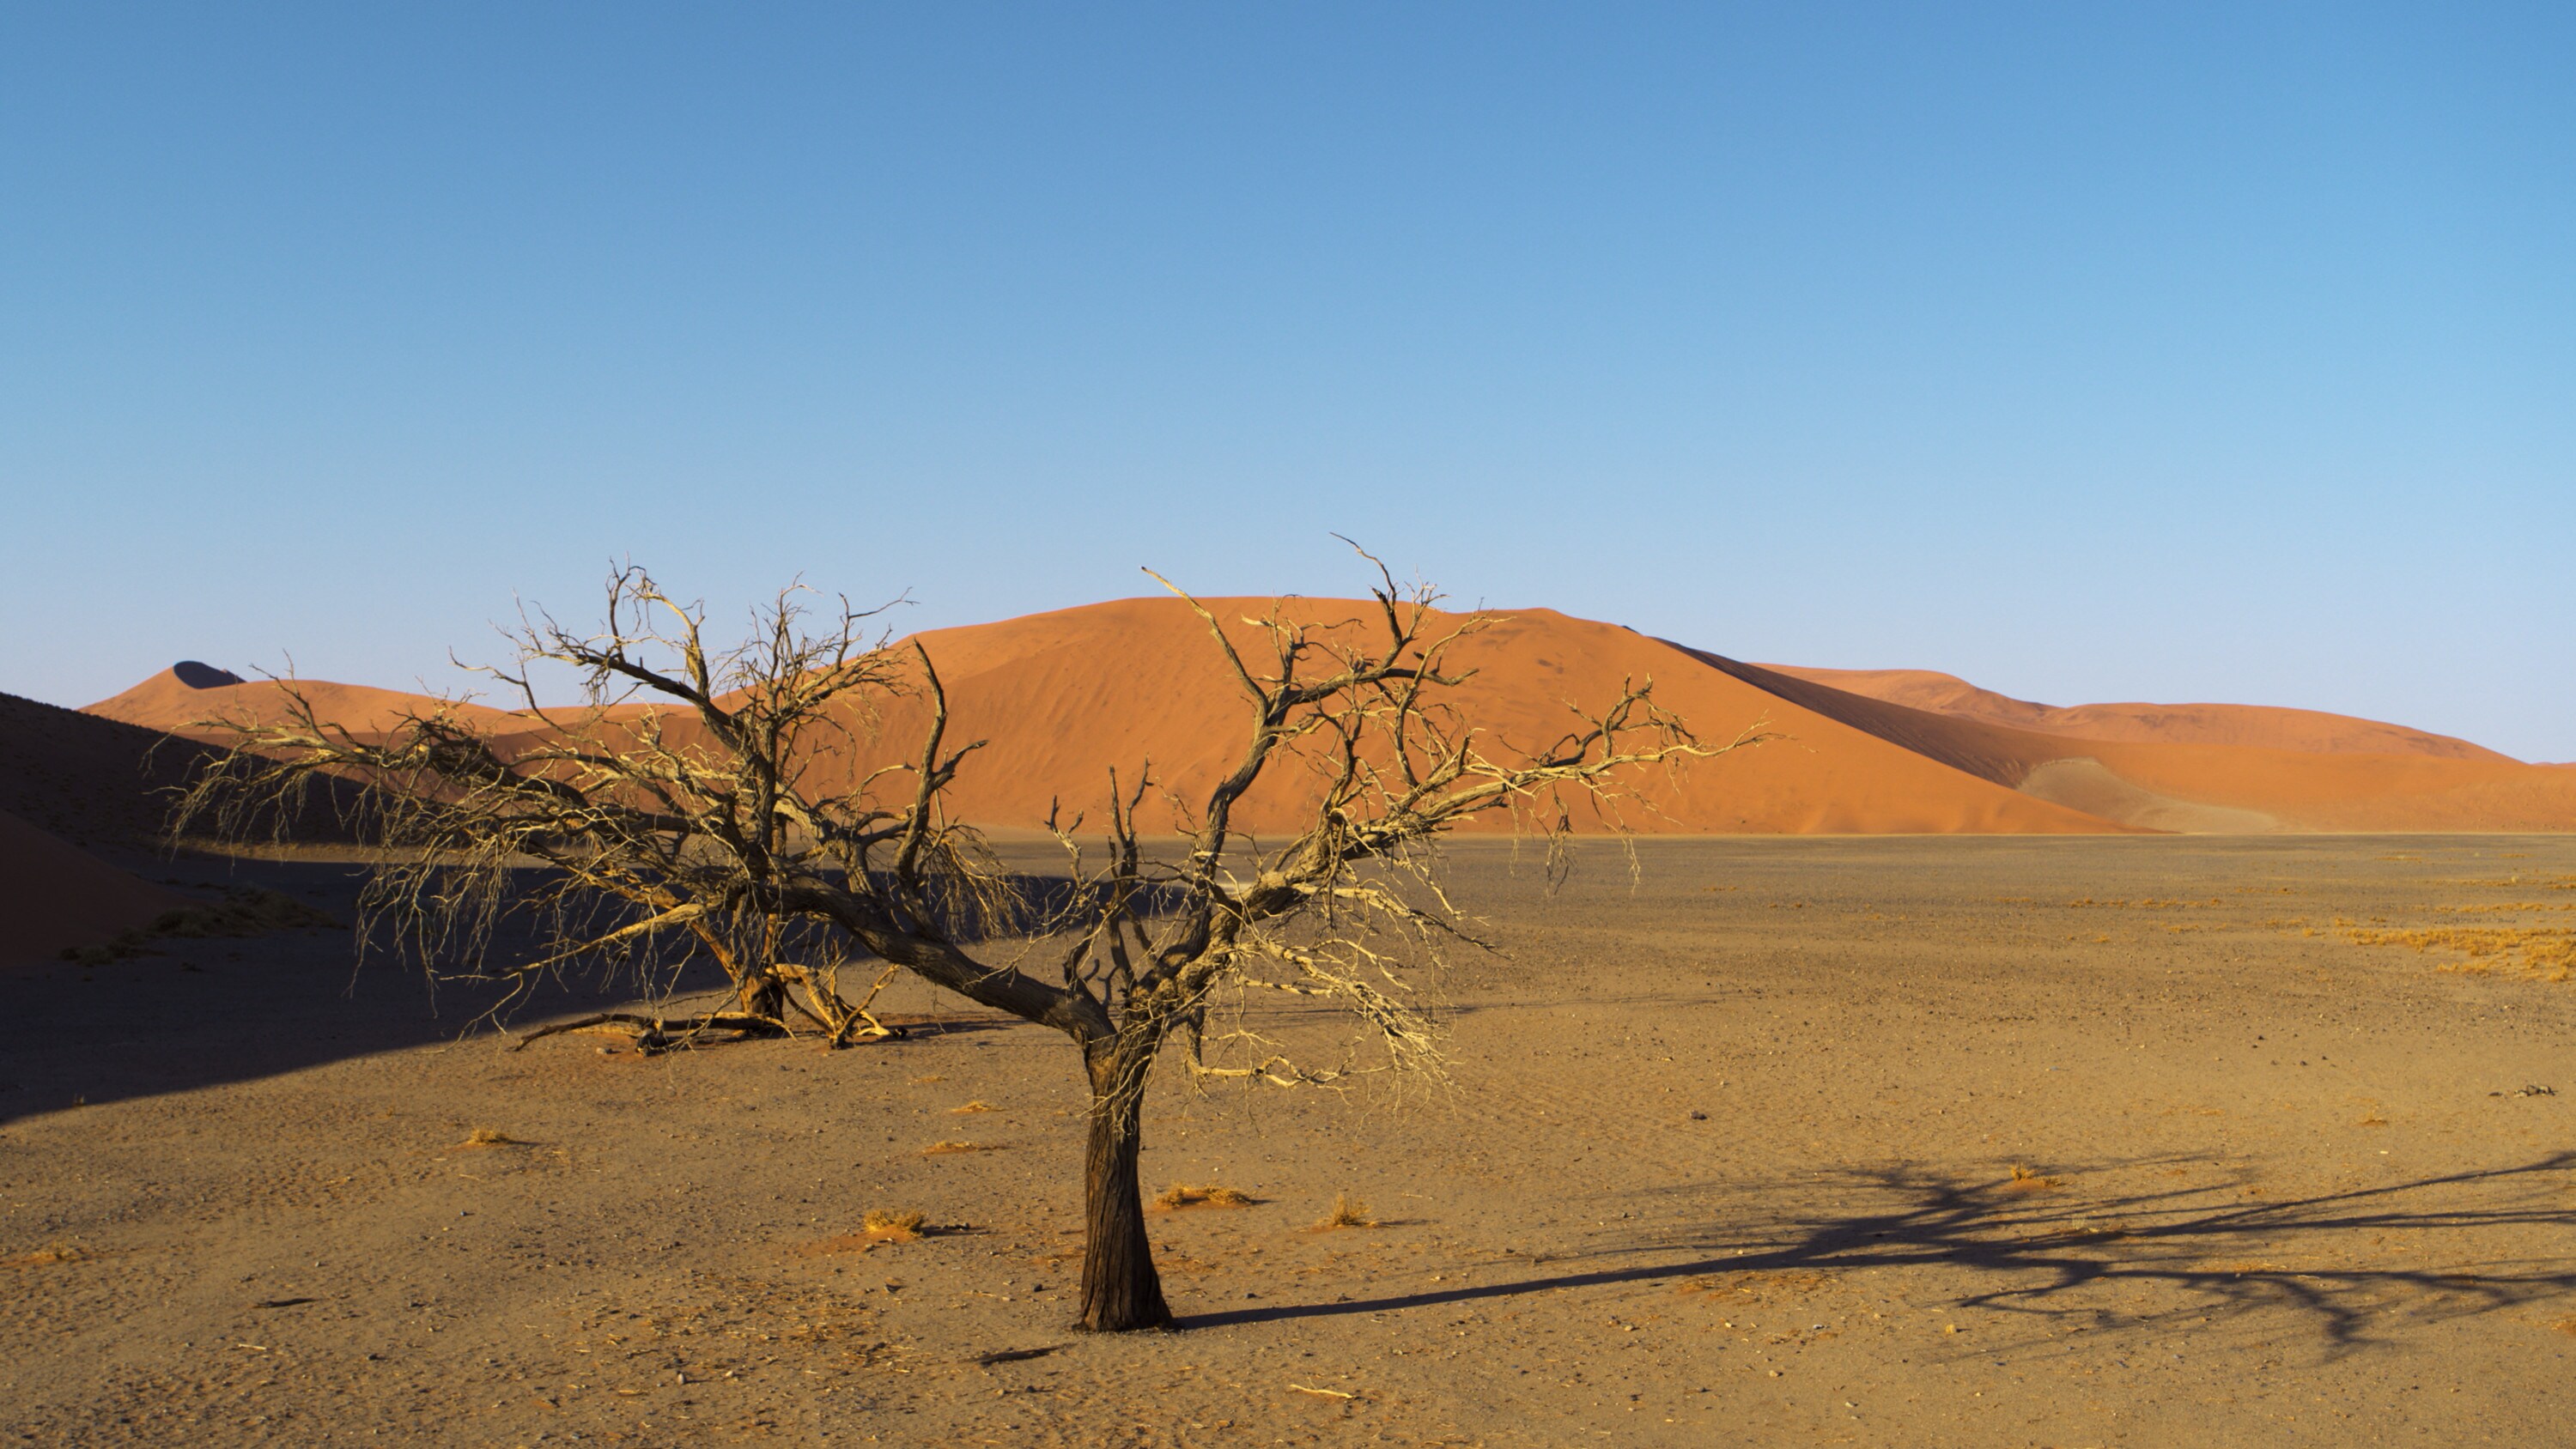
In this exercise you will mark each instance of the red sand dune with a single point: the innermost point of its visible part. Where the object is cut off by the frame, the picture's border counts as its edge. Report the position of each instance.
(181, 699)
(1062, 698)
(2262, 726)
(54, 895)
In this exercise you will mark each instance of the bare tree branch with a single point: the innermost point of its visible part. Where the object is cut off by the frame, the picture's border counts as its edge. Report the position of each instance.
(671, 818)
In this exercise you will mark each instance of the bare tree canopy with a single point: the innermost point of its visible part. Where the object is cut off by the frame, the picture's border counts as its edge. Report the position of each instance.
(683, 809)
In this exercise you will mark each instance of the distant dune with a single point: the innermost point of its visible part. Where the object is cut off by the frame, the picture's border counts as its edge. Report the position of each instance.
(2331, 780)
(2261, 726)
(1062, 698)
(181, 699)
(54, 895)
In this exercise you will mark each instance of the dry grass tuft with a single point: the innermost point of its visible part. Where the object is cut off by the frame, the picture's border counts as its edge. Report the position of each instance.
(1177, 1196)
(972, 1107)
(2545, 953)
(942, 1149)
(1348, 1212)
(490, 1137)
(48, 1255)
(2025, 1179)
(888, 1226)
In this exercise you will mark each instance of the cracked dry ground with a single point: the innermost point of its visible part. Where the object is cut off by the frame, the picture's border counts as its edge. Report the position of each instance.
(1795, 1141)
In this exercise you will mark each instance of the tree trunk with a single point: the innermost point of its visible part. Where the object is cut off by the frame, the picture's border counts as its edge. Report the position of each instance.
(1120, 1289)
(764, 995)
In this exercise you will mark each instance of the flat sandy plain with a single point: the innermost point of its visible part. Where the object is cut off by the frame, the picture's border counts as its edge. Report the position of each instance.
(1729, 1157)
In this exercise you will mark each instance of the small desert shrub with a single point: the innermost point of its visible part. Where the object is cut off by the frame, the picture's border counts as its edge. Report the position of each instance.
(490, 1137)
(250, 911)
(1176, 1197)
(2025, 1179)
(1348, 1212)
(887, 1226)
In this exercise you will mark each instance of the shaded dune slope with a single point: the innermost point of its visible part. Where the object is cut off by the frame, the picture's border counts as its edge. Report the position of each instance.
(2260, 726)
(54, 895)
(2215, 786)
(106, 784)
(94, 782)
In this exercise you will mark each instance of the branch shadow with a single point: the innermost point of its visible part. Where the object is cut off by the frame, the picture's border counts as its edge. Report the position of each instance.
(2030, 1253)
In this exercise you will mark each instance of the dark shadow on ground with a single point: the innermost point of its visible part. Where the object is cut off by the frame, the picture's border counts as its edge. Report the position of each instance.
(2214, 1248)
(198, 1013)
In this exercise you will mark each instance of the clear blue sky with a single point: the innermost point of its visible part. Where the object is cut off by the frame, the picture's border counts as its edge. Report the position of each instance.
(2093, 353)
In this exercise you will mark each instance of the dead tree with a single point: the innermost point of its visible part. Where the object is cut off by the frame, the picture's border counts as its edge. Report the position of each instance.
(677, 806)
(665, 812)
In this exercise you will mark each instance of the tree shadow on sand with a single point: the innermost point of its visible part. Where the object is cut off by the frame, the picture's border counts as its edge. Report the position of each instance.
(182, 1015)
(2029, 1247)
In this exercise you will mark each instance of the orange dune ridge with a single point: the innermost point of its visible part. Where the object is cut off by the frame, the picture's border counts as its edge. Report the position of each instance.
(55, 895)
(1064, 697)
(185, 698)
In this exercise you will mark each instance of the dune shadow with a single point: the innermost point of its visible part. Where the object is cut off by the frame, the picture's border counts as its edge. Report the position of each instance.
(2210, 1245)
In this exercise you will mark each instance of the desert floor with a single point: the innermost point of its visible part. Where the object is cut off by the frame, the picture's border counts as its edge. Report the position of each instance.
(1873, 1141)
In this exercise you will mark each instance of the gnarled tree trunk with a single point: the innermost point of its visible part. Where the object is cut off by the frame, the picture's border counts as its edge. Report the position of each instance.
(1120, 1289)
(763, 994)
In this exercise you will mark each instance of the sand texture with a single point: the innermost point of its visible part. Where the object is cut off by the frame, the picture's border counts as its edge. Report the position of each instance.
(1885, 1142)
